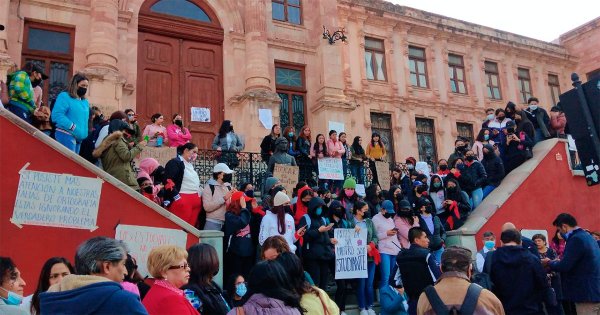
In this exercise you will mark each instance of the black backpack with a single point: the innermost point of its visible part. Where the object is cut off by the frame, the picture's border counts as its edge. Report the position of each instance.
(468, 305)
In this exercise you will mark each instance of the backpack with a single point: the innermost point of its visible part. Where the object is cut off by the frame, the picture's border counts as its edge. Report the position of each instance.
(468, 305)
(202, 215)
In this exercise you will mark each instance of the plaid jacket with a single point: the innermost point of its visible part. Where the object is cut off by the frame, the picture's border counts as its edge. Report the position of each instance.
(20, 91)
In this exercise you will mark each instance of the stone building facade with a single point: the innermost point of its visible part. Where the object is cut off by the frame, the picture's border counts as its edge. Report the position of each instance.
(583, 41)
(418, 78)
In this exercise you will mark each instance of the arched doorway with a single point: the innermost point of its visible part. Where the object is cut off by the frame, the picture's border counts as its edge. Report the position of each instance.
(180, 65)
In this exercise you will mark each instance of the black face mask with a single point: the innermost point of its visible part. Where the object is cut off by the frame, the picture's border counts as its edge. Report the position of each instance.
(443, 167)
(461, 148)
(81, 91)
(427, 209)
(470, 158)
(227, 178)
(179, 123)
(510, 130)
(148, 189)
(451, 189)
(327, 200)
(35, 83)
(287, 209)
(338, 212)
(388, 215)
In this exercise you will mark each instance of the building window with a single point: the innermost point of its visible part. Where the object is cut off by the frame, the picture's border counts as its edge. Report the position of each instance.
(524, 85)
(465, 131)
(375, 59)
(287, 11)
(492, 76)
(181, 8)
(51, 47)
(426, 140)
(456, 70)
(382, 124)
(593, 74)
(291, 88)
(554, 88)
(418, 67)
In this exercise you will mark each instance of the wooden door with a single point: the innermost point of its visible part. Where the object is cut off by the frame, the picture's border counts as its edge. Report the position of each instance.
(202, 77)
(158, 77)
(382, 124)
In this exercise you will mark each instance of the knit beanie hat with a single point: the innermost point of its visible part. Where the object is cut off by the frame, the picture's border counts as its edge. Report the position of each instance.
(350, 183)
(280, 198)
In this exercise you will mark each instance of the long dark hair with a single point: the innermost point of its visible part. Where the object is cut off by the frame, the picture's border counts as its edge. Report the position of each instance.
(229, 286)
(291, 140)
(44, 280)
(186, 146)
(74, 85)
(293, 265)
(481, 134)
(433, 189)
(280, 212)
(273, 130)
(375, 134)
(323, 148)
(269, 278)
(358, 149)
(225, 128)
(204, 264)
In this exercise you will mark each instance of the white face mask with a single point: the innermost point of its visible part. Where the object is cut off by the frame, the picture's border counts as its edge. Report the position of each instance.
(533, 107)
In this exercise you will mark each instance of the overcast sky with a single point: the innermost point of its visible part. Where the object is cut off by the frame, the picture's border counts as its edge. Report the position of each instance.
(544, 20)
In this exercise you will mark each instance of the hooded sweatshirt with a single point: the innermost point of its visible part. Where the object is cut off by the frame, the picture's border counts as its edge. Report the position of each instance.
(519, 280)
(301, 209)
(493, 166)
(316, 244)
(78, 294)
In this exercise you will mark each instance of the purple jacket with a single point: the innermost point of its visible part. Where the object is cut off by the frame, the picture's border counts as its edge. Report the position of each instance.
(259, 304)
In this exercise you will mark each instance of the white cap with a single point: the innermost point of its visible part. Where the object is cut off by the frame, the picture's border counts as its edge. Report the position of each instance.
(222, 168)
(280, 198)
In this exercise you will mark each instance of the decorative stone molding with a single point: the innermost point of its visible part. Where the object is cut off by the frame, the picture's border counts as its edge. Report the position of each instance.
(260, 96)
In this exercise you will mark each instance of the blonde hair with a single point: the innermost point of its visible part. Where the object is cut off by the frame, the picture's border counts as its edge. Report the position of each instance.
(163, 257)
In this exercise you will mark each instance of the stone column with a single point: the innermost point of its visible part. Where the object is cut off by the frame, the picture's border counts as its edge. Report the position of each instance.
(257, 50)
(106, 83)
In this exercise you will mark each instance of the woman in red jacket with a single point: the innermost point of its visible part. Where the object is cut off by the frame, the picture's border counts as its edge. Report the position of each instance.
(168, 265)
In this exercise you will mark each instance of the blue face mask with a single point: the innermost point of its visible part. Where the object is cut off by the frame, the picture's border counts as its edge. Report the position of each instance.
(240, 289)
(291, 134)
(319, 211)
(13, 298)
(490, 244)
(460, 166)
(486, 137)
(437, 185)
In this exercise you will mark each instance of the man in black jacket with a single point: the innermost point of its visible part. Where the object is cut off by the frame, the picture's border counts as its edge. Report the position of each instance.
(518, 276)
(493, 168)
(474, 174)
(539, 118)
(421, 268)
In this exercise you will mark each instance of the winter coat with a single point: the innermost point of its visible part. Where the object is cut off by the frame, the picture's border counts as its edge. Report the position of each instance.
(259, 304)
(267, 147)
(418, 270)
(116, 158)
(236, 144)
(71, 115)
(78, 294)
(455, 156)
(174, 170)
(519, 280)
(473, 177)
(494, 168)
(452, 217)
(178, 135)
(212, 298)
(438, 237)
(303, 146)
(161, 300)
(387, 244)
(214, 202)
(580, 268)
(237, 233)
(533, 117)
(515, 153)
(317, 245)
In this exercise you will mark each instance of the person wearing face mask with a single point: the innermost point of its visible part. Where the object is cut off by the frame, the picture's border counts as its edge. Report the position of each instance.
(11, 288)
(289, 133)
(228, 143)
(489, 244)
(177, 133)
(300, 208)
(539, 118)
(443, 169)
(489, 116)
(482, 139)
(239, 253)
(337, 216)
(459, 151)
(473, 178)
(420, 190)
(410, 166)
(20, 90)
(147, 190)
(150, 168)
(399, 178)
(235, 289)
(349, 196)
(456, 205)
(316, 248)
(133, 124)
(432, 226)
(216, 196)
(388, 245)
(278, 221)
(516, 147)
(116, 154)
(437, 193)
(182, 184)
(71, 113)
(498, 125)
(494, 168)
(404, 220)
(280, 156)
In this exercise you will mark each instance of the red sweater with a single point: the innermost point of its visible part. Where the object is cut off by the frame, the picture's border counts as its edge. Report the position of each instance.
(161, 300)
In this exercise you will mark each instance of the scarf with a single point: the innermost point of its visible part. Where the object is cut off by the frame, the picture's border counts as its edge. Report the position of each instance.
(453, 209)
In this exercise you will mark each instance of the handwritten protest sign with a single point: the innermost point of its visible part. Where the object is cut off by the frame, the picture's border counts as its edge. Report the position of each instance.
(287, 175)
(350, 254)
(58, 200)
(331, 168)
(161, 154)
(200, 114)
(141, 240)
(383, 174)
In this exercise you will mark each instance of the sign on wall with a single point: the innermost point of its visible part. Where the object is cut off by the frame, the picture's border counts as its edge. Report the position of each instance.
(383, 174)
(161, 154)
(287, 175)
(57, 200)
(200, 114)
(331, 168)
(141, 240)
(350, 254)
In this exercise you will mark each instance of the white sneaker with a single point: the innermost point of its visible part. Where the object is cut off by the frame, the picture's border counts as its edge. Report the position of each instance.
(364, 312)
(371, 312)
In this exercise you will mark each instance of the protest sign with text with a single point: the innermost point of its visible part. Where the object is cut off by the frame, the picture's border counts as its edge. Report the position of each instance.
(350, 254)
(331, 168)
(287, 175)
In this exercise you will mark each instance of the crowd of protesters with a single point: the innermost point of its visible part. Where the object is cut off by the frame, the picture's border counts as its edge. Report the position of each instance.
(279, 244)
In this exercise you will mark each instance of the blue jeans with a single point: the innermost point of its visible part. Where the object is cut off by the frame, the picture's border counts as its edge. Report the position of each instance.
(539, 136)
(438, 255)
(358, 172)
(364, 292)
(476, 197)
(385, 267)
(68, 141)
(487, 190)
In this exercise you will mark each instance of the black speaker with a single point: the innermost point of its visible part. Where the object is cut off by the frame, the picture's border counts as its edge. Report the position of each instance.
(580, 128)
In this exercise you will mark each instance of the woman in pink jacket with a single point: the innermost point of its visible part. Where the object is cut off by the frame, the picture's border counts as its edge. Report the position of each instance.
(405, 220)
(177, 133)
(388, 244)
